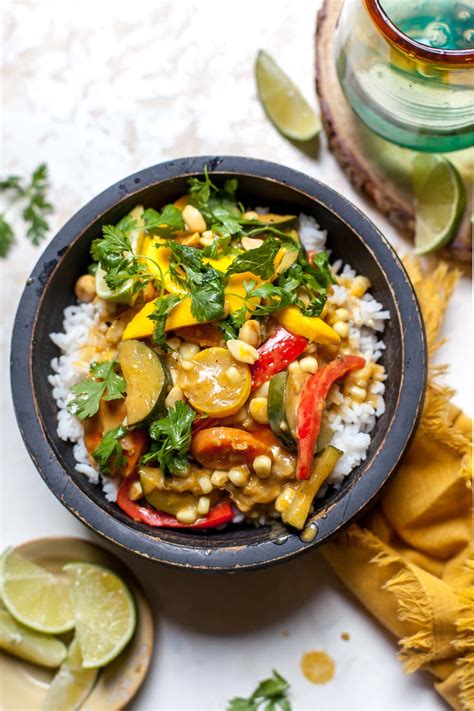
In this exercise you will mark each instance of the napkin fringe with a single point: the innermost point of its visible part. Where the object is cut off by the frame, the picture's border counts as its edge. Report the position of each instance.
(464, 643)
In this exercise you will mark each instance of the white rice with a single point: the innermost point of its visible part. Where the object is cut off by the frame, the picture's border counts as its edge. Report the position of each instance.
(68, 369)
(354, 423)
(351, 425)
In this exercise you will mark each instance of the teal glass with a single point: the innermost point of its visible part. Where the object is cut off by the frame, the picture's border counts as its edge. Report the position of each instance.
(407, 69)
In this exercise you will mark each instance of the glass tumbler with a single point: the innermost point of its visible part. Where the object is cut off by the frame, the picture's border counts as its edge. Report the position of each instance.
(407, 69)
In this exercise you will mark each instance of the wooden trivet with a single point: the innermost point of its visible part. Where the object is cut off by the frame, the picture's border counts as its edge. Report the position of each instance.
(377, 168)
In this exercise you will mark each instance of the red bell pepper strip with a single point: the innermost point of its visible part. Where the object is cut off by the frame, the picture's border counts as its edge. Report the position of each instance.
(278, 351)
(312, 404)
(220, 514)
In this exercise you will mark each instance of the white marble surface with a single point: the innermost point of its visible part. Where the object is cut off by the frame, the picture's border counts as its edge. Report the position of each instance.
(100, 90)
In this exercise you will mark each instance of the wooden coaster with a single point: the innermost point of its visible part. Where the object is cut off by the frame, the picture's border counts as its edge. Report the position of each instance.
(377, 168)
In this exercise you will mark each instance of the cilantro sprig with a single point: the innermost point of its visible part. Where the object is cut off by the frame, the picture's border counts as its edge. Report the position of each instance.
(32, 194)
(260, 261)
(114, 253)
(109, 453)
(104, 382)
(204, 283)
(270, 695)
(171, 437)
(218, 206)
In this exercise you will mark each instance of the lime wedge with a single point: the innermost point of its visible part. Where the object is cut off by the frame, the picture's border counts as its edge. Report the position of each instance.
(440, 200)
(29, 645)
(283, 102)
(124, 295)
(34, 596)
(71, 685)
(104, 610)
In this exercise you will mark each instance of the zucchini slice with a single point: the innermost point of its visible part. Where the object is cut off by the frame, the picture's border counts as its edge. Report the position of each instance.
(300, 506)
(276, 410)
(147, 381)
(273, 220)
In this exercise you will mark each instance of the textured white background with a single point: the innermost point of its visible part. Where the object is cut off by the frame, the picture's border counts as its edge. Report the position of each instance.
(100, 90)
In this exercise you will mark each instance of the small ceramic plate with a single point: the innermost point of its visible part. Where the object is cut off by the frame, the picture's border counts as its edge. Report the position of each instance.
(24, 685)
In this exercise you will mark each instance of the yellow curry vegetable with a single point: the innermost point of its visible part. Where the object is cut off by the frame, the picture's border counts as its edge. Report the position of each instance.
(311, 327)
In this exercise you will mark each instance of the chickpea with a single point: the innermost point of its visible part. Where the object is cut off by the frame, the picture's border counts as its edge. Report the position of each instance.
(85, 288)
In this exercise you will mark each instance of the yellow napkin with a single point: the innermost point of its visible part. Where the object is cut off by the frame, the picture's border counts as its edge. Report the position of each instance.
(410, 561)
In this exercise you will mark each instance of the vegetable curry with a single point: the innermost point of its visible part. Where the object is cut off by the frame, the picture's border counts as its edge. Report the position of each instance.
(212, 363)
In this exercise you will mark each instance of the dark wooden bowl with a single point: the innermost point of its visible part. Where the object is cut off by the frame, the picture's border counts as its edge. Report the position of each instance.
(50, 289)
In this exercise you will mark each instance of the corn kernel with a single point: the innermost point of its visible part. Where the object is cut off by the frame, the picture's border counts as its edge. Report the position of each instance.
(284, 499)
(241, 351)
(309, 364)
(187, 351)
(186, 364)
(187, 515)
(258, 408)
(219, 477)
(341, 328)
(359, 286)
(204, 505)
(205, 484)
(262, 466)
(239, 476)
(358, 394)
(194, 220)
(262, 391)
(342, 314)
(233, 375)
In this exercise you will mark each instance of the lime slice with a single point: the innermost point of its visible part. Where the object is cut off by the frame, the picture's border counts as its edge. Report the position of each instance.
(34, 596)
(29, 645)
(283, 102)
(440, 200)
(72, 684)
(104, 610)
(124, 295)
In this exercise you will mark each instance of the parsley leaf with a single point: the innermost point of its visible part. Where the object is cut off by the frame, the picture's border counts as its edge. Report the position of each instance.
(315, 277)
(219, 207)
(7, 236)
(108, 452)
(104, 382)
(163, 308)
(114, 253)
(204, 283)
(259, 261)
(36, 207)
(171, 437)
(272, 692)
(165, 223)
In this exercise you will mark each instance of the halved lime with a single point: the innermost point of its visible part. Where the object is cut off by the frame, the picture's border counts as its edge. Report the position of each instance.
(71, 685)
(104, 610)
(34, 596)
(440, 200)
(283, 102)
(29, 645)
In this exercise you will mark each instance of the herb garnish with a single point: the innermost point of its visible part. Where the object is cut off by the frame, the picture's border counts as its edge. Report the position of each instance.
(315, 276)
(204, 283)
(164, 223)
(108, 452)
(163, 307)
(115, 255)
(260, 261)
(271, 692)
(33, 194)
(171, 437)
(218, 206)
(104, 382)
